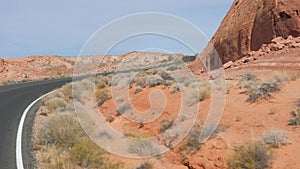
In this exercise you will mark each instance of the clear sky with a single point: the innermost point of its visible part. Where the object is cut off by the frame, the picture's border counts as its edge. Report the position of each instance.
(61, 27)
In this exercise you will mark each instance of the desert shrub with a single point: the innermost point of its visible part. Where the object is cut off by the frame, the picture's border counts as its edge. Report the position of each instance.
(109, 118)
(67, 90)
(56, 158)
(275, 138)
(86, 84)
(252, 155)
(295, 76)
(145, 165)
(87, 154)
(153, 81)
(55, 104)
(165, 124)
(6, 82)
(140, 81)
(262, 92)
(191, 144)
(203, 93)
(295, 120)
(138, 89)
(280, 77)
(172, 67)
(122, 109)
(174, 88)
(61, 130)
(165, 76)
(142, 148)
(247, 80)
(102, 96)
(100, 85)
(211, 130)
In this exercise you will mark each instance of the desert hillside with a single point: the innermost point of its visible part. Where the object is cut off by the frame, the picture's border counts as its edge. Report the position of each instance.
(14, 70)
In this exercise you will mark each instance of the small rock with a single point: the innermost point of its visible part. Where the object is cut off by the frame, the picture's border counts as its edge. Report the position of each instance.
(228, 65)
(276, 47)
(295, 45)
(278, 40)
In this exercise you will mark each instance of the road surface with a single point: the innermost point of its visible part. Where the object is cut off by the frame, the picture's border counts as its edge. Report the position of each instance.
(13, 101)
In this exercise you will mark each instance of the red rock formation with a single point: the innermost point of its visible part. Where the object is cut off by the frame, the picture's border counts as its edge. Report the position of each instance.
(251, 23)
(1, 65)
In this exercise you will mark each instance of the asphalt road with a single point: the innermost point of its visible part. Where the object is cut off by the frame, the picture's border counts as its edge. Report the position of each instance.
(13, 101)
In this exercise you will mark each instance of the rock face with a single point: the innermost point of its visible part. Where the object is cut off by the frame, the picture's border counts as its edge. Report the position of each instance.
(1, 65)
(251, 23)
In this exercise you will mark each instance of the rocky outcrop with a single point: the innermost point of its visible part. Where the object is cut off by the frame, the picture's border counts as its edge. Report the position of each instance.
(1, 65)
(251, 23)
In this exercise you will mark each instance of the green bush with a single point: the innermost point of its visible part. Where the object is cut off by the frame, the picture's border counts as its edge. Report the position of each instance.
(252, 155)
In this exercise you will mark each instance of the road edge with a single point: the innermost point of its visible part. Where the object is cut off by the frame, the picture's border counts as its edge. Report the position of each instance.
(19, 154)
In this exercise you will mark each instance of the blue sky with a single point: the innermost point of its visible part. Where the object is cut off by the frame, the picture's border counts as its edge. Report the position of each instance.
(61, 27)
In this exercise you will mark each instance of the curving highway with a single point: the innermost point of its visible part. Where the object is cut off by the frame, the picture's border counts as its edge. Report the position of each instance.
(13, 101)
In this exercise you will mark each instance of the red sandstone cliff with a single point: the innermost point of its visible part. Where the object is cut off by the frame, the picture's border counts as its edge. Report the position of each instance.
(251, 23)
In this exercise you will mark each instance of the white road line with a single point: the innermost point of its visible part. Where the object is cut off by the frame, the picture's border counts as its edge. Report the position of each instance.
(19, 157)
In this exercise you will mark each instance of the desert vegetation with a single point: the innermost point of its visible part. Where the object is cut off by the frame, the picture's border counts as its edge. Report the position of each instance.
(252, 155)
(60, 141)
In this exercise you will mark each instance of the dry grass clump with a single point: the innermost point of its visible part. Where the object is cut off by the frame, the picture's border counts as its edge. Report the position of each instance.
(138, 89)
(87, 154)
(67, 90)
(55, 103)
(204, 92)
(153, 81)
(145, 165)
(60, 130)
(275, 138)
(122, 109)
(67, 146)
(7, 82)
(165, 125)
(102, 96)
(191, 144)
(142, 148)
(109, 118)
(252, 155)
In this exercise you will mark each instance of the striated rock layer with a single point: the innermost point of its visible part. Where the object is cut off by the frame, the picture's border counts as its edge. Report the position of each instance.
(251, 23)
